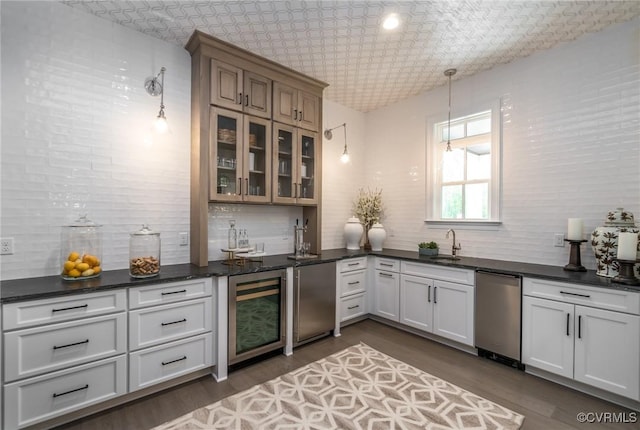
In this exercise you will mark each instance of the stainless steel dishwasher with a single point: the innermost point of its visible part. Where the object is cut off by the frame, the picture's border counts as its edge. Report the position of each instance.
(498, 317)
(314, 301)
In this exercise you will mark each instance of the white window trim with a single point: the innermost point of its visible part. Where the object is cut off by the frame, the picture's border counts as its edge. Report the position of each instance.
(433, 217)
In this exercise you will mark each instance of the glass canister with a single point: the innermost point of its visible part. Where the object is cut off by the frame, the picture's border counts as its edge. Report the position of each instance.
(144, 253)
(81, 249)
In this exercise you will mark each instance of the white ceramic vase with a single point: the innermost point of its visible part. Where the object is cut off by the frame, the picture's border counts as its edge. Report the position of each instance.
(353, 233)
(377, 235)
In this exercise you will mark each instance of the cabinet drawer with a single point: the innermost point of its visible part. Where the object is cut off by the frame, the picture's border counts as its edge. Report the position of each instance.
(353, 282)
(160, 363)
(44, 397)
(616, 300)
(158, 294)
(387, 264)
(38, 350)
(46, 311)
(353, 264)
(352, 306)
(160, 324)
(451, 274)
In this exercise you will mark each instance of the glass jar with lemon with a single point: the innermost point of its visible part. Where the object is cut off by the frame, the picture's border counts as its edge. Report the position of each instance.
(81, 249)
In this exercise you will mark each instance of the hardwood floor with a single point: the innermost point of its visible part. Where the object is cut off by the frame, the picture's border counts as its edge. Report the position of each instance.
(544, 404)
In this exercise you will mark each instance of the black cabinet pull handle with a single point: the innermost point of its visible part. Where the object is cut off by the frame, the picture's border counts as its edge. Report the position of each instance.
(354, 283)
(246, 188)
(429, 294)
(386, 275)
(386, 264)
(579, 326)
(575, 294)
(70, 391)
(173, 292)
(295, 114)
(435, 292)
(69, 308)
(71, 344)
(174, 322)
(353, 307)
(353, 264)
(240, 98)
(246, 103)
(164, 363)
(567, 324)
(300, 116)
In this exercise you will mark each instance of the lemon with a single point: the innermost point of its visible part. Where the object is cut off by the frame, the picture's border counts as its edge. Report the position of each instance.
(68, 265)
(73, 256)
(88, 272)
(74, 273)
(81, 267)
(96, 270)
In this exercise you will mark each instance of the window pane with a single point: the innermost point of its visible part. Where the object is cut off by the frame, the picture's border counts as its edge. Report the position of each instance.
(476, 201)
(453, 165)
(479, 126)
(479, 161)
(452, 201)
(457, 132)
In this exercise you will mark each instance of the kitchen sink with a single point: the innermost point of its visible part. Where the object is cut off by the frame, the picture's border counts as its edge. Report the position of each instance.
(445, 258)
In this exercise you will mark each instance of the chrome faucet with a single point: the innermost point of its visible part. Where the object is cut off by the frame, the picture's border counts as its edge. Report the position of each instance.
(454, 248)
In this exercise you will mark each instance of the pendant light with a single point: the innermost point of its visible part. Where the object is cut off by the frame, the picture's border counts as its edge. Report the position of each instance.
(155, 86)
(328, 134)
(449, 73)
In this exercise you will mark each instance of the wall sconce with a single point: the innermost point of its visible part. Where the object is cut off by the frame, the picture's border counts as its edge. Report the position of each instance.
(329, 135)
(155, 87)
(449, 73)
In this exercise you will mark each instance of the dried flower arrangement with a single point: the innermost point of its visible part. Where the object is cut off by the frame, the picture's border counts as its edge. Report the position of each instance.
(368, 208)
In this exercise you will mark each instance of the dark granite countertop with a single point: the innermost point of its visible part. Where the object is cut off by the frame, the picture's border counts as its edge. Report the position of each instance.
(51, 286)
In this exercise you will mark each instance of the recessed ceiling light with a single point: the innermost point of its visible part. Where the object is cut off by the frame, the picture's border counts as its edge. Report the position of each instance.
(390, 22)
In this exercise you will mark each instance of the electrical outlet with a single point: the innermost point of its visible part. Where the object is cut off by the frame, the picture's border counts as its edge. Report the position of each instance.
(6, 246)
(183, 238)
(558, 240)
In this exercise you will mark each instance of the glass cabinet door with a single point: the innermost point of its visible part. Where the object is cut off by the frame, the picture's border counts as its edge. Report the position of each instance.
(257, 172)
(225, 157)
(308, 164)
(284, 163)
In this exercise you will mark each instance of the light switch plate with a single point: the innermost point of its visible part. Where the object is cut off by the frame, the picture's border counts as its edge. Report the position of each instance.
(558, 240)
(183, 238)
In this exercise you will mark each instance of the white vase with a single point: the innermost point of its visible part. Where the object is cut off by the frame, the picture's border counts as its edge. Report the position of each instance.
(377, 235)
(353, 233)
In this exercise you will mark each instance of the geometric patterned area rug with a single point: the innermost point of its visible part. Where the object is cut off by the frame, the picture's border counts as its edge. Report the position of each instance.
(357, 388)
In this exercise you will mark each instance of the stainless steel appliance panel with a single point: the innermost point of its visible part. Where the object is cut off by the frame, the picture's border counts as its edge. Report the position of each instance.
(314, 301)
(498, 314)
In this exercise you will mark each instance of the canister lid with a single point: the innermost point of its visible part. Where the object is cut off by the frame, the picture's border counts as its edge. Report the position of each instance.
(83, 221)
(619, 217)
(144, 231)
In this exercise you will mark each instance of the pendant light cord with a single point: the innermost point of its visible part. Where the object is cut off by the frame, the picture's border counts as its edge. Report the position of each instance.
(449, 73)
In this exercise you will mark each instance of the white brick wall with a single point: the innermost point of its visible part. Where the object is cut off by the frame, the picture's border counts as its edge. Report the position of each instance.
(571, 148)
(74, 119)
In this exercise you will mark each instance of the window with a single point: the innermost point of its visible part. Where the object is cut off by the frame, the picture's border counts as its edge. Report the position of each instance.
(463, 185)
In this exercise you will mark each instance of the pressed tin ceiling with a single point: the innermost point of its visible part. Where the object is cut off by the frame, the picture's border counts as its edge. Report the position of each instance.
(343, 43)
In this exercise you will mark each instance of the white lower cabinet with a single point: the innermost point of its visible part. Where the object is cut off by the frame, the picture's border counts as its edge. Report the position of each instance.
(595, 346)
(439, 307)
(386, 290)
(43, 397)
(352, 288)
(160, 363)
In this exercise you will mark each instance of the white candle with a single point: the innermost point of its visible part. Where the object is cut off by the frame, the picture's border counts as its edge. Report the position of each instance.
(627, 246)
(574, 230)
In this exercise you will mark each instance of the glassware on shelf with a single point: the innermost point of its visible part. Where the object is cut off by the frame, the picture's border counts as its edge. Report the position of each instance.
(233, 235)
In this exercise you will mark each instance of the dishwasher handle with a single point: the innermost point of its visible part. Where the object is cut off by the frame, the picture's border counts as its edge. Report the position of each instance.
(505, 275)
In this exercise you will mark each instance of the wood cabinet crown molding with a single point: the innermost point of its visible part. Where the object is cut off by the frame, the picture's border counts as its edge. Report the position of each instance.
(219, 49)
